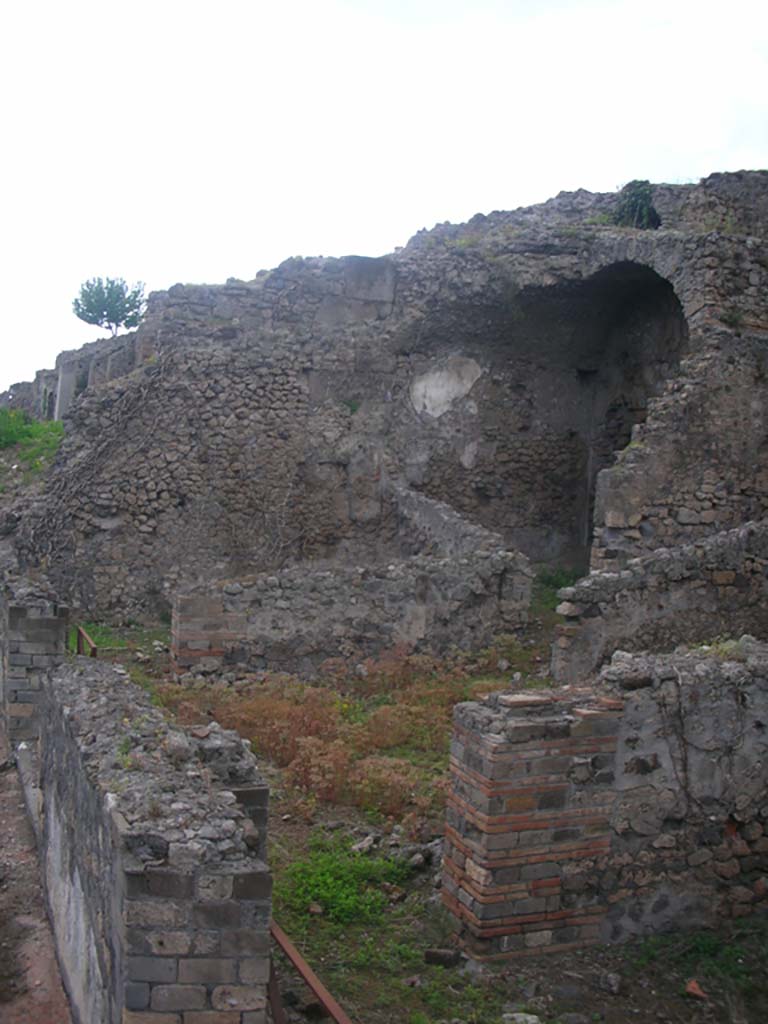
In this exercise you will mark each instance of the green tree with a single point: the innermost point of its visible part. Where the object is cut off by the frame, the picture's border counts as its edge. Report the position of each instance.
(109, 302)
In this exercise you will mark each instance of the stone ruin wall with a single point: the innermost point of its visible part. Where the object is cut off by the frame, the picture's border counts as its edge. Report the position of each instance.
(52, 393)
(694, 593)
(152, 839)
(460, 588)
(585, 816)
(497, 366)
(698, 464)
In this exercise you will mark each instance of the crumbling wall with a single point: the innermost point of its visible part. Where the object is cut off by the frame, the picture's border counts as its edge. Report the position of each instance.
(153, 845)
(689, 594)
(51, 394)
(36, 398)
(496, 366)
(584, 816)
(199, 467)
(296, 619)
(699, 463)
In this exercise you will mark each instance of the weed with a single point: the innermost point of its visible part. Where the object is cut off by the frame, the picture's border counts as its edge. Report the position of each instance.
(344, 884)
(723, 648)
(635, 207)
(464, 242)
(600, 220)
(546, 586)
(732, 317)
(37, 442)
(725, 957)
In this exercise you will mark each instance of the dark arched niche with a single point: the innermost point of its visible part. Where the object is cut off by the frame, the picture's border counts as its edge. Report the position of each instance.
(570, 368)
(621, 333)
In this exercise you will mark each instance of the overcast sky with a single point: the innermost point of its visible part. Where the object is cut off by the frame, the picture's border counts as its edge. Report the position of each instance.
(194, 141)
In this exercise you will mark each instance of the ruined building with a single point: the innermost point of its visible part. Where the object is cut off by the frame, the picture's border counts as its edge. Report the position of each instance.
(345, 455)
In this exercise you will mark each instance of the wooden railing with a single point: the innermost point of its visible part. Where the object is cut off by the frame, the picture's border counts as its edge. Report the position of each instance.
(83, 641)
(308, 976)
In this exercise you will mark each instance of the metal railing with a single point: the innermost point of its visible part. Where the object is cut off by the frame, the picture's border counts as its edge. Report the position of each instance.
(309, 978)
(83, 641)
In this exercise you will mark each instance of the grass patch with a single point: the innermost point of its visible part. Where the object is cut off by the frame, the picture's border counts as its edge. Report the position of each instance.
(344, 885)
(121, 638)
(36, 442)
(724, 958)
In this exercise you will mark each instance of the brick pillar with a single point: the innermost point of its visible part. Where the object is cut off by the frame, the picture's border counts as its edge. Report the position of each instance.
(532, 792)
(33, 640)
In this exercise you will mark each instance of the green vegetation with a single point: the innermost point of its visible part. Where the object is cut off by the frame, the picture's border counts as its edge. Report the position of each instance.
(546, 585)
(134, 647)
(36, 442)
(725, 648)
(635, 207)
(364, 921)
(733, 318)
(120, 638)
(342, 885)
(109, 302)
(600, 220)
(726, 958)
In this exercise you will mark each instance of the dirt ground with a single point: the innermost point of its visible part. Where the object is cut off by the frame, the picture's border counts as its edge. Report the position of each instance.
(30, 984)
(640, 982)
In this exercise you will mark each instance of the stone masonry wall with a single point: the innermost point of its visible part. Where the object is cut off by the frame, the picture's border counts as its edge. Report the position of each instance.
(296, 619)
(698, 464)
(33, 636)
(581, 816)
(153, 845)
(496, 366)
(689, 594)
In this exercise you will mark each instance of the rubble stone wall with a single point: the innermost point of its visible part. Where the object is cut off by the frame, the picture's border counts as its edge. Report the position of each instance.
(695, 593)
(586, 816)
(698, 464)
(153, 843)
(497, 366)
(296, 619)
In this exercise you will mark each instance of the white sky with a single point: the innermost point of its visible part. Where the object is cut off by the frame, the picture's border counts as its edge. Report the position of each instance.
(191, 141)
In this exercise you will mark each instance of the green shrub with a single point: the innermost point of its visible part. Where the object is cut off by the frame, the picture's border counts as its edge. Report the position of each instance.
(635, 207)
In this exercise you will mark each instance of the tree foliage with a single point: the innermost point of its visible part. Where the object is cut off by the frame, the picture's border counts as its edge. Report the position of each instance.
(109, 302)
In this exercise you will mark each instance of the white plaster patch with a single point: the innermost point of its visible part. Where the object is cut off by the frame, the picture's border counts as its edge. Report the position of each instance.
(435, 392)
(469, 456)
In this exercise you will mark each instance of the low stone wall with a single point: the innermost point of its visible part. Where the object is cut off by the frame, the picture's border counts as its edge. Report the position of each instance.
(297, 618)
(579, 817)
(33, 636)
(432, 527)
(153, 844)
(689, 594)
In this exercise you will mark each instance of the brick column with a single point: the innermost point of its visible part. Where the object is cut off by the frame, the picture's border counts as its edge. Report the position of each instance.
(532, 792)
